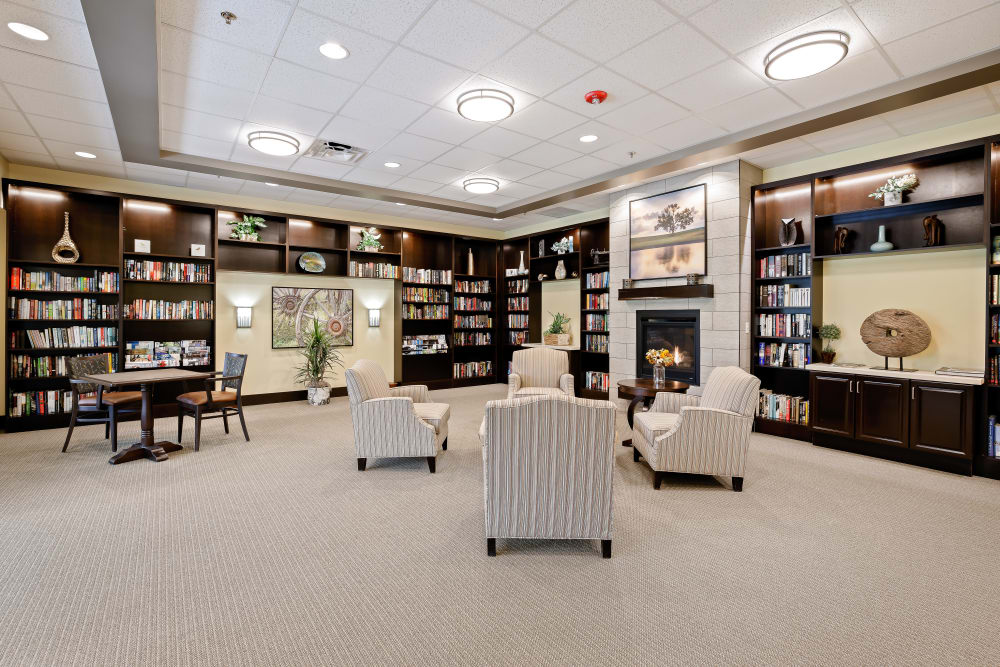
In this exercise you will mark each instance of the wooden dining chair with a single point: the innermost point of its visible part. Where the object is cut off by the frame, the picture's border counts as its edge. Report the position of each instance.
(93, 405)
(210, 404)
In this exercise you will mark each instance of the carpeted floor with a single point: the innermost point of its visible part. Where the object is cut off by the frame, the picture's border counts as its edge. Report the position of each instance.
(279, 551)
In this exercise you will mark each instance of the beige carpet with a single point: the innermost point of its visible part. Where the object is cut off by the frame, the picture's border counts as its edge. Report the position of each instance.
(280, 552)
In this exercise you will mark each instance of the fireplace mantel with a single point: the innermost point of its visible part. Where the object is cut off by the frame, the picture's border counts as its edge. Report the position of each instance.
(667, 292)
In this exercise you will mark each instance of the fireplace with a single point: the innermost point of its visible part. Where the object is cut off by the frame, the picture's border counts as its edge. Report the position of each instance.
(676, 330)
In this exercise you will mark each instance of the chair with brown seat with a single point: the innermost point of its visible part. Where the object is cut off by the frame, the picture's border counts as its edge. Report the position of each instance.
(205, 403)
(93, 405)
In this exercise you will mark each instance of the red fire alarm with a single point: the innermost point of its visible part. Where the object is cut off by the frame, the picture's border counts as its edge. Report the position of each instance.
(595, 96)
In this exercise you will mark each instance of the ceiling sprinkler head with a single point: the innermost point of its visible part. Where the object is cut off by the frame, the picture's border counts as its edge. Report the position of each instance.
(229, 16)
(630, 154)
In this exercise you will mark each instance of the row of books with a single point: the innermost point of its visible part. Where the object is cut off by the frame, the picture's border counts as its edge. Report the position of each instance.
(65, 337)
(790, 325)
(993, 370)
(428, 312)
(519, 286)
(51, 366)
(596, 343)
(427, 276)
(183, 272)
(372, 270)
(158, 309)
(596, 301)
(53, 281)
(518, 337)
(786, 355)
(597, 280)
(592, 322)
(784, 408)
(517, 304)
(425, 344)
(473, 286)
(517, 321)
(472, 338)
(786, 266)
(473, 303)
(995, 289)
(473, 322)
(61, 309)
(425, 295)
(784, 296)
(596, 380)
(995, 329)
(27, 403)
(472, 369)
(167, 354)
(993, 438)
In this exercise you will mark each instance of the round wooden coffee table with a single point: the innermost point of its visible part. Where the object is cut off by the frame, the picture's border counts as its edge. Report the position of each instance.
(642, 390)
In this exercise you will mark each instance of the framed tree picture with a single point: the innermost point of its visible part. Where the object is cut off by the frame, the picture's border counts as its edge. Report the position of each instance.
(293, 310)
(667, 234)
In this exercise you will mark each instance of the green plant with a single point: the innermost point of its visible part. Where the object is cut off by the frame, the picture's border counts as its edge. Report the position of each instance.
(246, 228)
(829, 333)
(564, 244)
(559, 323)
(896, 184)
(319, 357)
(370, 240)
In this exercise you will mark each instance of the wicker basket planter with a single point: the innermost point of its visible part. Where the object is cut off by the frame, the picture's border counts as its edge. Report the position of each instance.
(557, 339)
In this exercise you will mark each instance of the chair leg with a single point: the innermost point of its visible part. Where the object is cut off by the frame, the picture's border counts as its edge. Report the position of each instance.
(491, 547)
(225, 420)
(113, 425)
(107, 429)
(243, 422)
(657, 479)
(197, 428)
(361, 464)
(180, 423)
(69, 432)
(635, 453)
(444, 445)
(431, 460)
(737, 484)
(606, 548)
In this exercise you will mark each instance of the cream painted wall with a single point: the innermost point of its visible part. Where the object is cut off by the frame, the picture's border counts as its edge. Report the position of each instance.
(946, 289)
(562, 296)
(273, 370)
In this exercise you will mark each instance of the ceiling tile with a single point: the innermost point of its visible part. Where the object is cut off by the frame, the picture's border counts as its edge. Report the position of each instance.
(644, 114)
(418, 148)
(754, 109)
(947, 110)
(546, 155)
(61, 150)
(604, 29)
(203, 96)
(258, 28)
(962, 38)
(685, 132)
(684, 48)
(618, 153)
(717, 85)
(518, 190)
(153, 174)
(620, 91)
(852, 135)
(386, 18)
(416, 76)
(284, 115)
(606, 135)
(64, 130)
(68, 10)
(889, 20)
(737, 24)
(446, 126)
(307, 32)
(542, 120)
(30, 159)
(371, 177)
(450, 101)
(294, 83)
(314, 197)
(258, 189)
(548, 180)
(853, 75)
(88, 167)
(465, 158)
(185, 53)
(531, 13)
(416, 185)
(463, 33)
(69, 41)
(383, 108)
(21, 142)
(439, 173)
(538, 66)
(500, 141)
(585, 167)
(686, 7)
(37, 72)
(353, 132)
(510, 170)
(198, 124)
(349, 203)
(214, 183)
(12, 120)
(321, 168)
(44, 103)
(192, 145)
(6, 101)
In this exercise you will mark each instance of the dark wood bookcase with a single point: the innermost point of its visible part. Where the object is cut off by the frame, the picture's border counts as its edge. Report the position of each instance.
(483, 274)
(983, 463)
(595, 299)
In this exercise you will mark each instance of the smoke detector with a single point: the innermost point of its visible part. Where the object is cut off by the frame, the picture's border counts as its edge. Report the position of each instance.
(595, 97)
(325, 149)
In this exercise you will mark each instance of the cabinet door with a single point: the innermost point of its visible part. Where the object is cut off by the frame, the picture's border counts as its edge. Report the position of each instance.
(832, 406)
(882, 408)
(941, 418)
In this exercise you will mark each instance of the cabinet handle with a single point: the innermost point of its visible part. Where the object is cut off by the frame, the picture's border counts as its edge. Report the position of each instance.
(850, 386)
(913, 393)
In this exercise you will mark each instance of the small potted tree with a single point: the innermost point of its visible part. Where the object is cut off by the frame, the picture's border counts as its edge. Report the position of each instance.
(556, 334)
(828, 333)
(319, 357)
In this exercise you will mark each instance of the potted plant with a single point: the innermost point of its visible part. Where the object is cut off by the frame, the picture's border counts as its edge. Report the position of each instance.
(660, 359)
(892, 192)
(557, 334)
(563, 245)
(246, 229)
(370, 240)
(319, 357)
(828, 333)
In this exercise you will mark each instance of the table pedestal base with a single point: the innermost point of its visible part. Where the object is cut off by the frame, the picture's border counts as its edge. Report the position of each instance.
(155, 452)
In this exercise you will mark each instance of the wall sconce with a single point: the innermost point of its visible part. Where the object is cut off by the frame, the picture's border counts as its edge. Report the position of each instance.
(374, 317)
(244, 315)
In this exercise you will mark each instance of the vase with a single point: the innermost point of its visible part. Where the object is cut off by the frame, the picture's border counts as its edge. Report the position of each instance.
(318, 395)
(472, 267)
(520, 267)
(892, 198)
(881, 245)
(659, 375)
(560, 270)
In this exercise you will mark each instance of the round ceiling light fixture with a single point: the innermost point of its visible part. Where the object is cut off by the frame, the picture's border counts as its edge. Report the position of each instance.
(485, 105)
(85, 154)
(29, 31)
(273, 143)
(588, 138)
(481, 185)
(334, 51)
(806, 55)
(595, 97)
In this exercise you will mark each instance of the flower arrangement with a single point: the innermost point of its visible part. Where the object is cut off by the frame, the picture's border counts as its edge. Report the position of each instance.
(246, 229)
(370, 240)
(563, 245)
(896, 184)
(662, 357)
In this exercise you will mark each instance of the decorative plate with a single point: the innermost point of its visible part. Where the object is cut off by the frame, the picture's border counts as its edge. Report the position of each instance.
(312, 262)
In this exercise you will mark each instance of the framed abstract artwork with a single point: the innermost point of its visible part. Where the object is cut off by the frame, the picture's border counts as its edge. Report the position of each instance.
(293, 310)
(667, 234)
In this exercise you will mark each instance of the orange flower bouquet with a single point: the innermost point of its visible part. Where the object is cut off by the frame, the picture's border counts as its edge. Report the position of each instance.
(660, 359)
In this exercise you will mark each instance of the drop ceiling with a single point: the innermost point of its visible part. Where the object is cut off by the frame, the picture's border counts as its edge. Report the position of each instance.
(680, 74)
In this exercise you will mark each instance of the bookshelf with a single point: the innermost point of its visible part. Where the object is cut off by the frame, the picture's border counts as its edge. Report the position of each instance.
(982, 463)
(474, 349)
(427, 310)
(521, 302)
(595, 299)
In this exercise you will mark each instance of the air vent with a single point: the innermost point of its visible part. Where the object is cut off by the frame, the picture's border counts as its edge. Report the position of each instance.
(334, 151)
(558, 212)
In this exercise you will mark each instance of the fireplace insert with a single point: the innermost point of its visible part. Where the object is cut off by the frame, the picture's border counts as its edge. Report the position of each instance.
(676, 330)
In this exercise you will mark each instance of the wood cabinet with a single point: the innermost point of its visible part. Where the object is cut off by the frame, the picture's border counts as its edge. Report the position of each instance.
(832, 408)
(941, 418)
(882, 410)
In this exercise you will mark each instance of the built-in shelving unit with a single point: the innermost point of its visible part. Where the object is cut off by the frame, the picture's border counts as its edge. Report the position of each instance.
(595, 302)
(983, 463)
(474, 349)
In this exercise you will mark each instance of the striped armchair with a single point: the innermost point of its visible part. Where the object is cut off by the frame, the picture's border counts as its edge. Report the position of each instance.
(710, 436)
(539, 370)
(548, 463)
(393, 421)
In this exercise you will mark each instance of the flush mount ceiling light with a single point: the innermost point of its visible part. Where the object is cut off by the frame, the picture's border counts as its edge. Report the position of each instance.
(588, 138)
(334, 51)
(273, 143)
(85, 154)
(485, 105)
(391, 165)
(806, 55)
(481, 185)
(29, 31)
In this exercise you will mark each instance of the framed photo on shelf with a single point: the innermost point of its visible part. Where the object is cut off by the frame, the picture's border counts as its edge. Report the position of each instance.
(668, 235)
(294, 309)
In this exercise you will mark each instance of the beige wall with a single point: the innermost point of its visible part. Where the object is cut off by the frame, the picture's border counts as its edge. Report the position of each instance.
(562, 296)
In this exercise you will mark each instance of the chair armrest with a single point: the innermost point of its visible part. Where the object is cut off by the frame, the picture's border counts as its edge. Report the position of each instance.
(705, 441)
(391, 427)
(418, 392)
(566, 384)
(513, 384)
(668, 401)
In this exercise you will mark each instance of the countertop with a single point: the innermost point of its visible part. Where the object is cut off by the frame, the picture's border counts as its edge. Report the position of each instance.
(568, 348)
(927, 376)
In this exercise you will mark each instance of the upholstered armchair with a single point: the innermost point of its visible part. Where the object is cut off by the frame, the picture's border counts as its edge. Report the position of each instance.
(393, 421)
(706, 436)
(539, 370)
(548, 464)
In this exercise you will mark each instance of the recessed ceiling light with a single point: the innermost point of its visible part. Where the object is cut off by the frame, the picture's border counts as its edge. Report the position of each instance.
(485, 105)
(273, 143)
(392, 165)
(588, 138)
(334, 51)
(273, 185)
(481, 185)
(399, 203)
(29, 31)
(496, 218)
(85, 154)
(806, 55)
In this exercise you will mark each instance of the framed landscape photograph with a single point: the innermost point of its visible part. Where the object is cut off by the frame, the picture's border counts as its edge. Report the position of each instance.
(293, 310)
(667, 235)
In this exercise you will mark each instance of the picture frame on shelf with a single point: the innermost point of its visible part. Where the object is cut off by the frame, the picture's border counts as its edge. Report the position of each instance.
(197, 249)
(142, 245)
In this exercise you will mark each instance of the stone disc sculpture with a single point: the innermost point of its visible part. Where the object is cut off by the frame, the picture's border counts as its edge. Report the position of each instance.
(895, 332)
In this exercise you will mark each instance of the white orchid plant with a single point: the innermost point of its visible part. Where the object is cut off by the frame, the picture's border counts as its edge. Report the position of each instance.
(896, 184)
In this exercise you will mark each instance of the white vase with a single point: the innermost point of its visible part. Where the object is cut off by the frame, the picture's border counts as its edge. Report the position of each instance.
(318, 395)
(520, 267)
(881, 245)
(472, 268)
(560, 270)
(892, 198)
